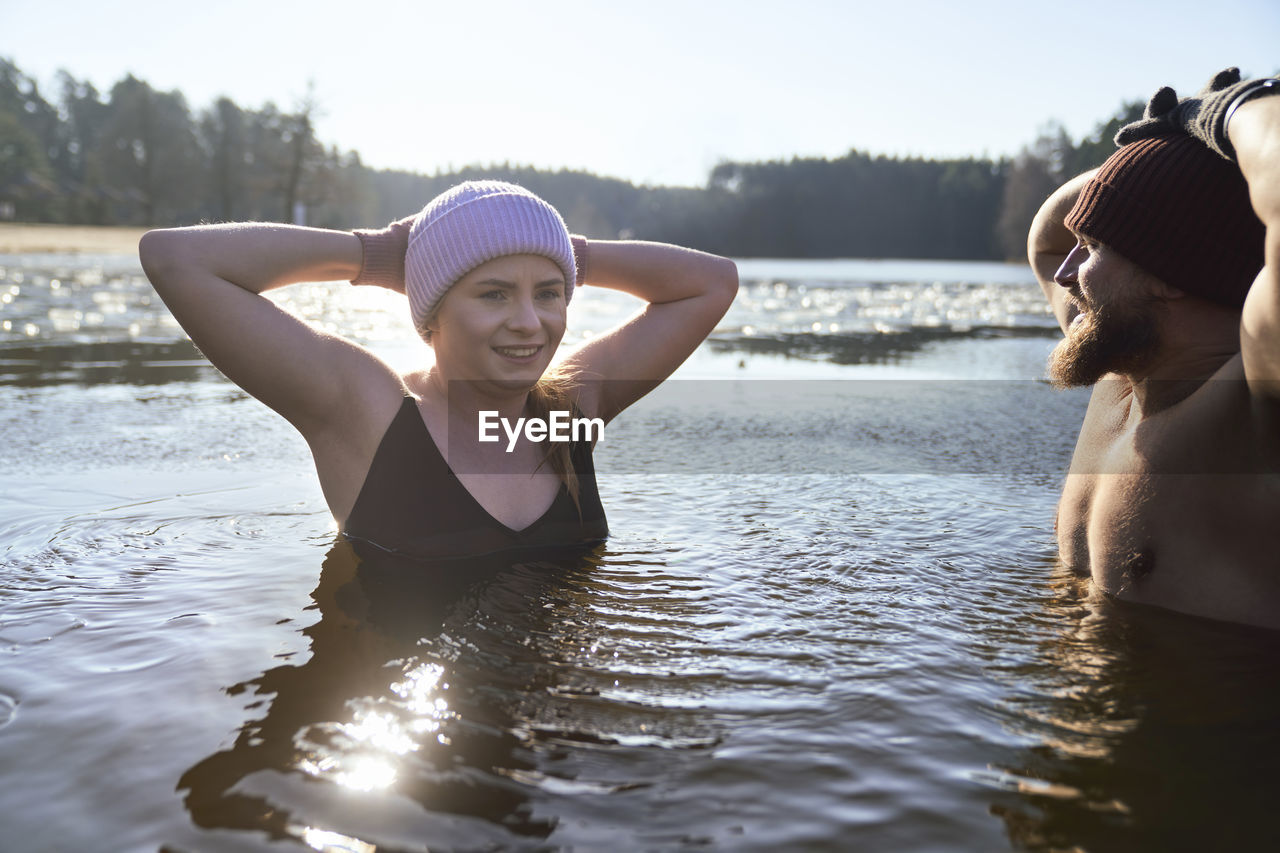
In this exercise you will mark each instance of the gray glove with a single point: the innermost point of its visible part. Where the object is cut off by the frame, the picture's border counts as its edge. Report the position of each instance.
(1202, 116)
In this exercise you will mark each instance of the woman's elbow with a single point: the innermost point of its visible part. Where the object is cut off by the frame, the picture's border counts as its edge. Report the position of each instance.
(725, 281)
(161, 253)
(155, 249)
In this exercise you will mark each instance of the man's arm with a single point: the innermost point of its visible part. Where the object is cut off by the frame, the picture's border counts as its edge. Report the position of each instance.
(1049, 242)
(1254, 132)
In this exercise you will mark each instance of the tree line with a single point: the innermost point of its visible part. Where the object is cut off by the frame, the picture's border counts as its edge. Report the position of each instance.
(140, 156)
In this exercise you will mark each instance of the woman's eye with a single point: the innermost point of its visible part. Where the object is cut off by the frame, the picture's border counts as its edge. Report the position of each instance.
(494, 295)
(548, 294)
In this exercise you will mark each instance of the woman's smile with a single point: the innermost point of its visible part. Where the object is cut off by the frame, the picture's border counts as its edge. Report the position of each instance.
(521, 354)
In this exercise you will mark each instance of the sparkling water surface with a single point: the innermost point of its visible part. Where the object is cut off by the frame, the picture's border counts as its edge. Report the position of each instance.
(829, 615)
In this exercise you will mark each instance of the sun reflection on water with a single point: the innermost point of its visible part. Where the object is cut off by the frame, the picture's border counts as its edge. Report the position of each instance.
(376, 737)
(378, 730)
(327, 842)
(420, 690)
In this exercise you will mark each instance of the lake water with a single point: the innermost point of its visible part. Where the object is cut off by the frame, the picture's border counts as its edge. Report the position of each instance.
(828, 617)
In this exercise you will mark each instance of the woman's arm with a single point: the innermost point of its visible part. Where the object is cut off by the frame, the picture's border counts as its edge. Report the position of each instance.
(1255, 135)
(211, 277)
(1049, 242)
(687, 291)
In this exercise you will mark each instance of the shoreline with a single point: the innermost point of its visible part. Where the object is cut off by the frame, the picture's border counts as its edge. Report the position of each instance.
(18, 238)
(32, 238)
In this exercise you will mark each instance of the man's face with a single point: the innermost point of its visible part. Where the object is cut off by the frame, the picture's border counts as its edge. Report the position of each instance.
(1116, 329)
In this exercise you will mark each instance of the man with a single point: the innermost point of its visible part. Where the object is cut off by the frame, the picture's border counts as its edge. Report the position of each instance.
(1154, 266)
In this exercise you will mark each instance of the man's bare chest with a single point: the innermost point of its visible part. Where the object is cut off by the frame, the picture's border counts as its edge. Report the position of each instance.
(1196, 540)
(1109, 526)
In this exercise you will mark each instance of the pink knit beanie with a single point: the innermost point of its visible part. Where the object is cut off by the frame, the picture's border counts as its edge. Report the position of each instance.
(475, 222)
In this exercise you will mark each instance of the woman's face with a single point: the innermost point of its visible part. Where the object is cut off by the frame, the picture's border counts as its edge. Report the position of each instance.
(501, 323)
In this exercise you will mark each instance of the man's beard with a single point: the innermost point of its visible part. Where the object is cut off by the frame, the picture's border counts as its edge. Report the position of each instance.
(1107, 340)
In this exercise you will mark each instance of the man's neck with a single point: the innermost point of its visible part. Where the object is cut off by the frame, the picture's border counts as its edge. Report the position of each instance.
(1174, 378)
(1198, 337)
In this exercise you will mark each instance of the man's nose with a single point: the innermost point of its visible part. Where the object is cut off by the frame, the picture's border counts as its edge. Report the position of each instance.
(1066, 274)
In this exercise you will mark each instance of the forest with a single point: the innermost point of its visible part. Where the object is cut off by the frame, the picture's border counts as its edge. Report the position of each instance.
(140, 156)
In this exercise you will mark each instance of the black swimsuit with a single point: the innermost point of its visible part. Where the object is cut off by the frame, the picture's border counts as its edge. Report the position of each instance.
(413, 505)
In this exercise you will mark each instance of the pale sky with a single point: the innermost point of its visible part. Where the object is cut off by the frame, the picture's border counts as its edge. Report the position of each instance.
(655, 92)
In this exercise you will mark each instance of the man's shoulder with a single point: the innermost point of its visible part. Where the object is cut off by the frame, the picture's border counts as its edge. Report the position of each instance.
(1221, 422)
(1215, 422)
(1224, 402)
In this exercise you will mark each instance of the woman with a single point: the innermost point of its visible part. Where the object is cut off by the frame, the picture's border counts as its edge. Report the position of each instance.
(488, 269)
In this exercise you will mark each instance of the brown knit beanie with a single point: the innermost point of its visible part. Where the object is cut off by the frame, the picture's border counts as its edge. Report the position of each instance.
(1178, 211)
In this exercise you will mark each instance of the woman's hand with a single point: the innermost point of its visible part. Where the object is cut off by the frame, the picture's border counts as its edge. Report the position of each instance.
(382, 254)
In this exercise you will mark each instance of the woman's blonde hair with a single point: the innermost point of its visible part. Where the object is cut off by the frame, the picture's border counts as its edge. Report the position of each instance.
(552, 392)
